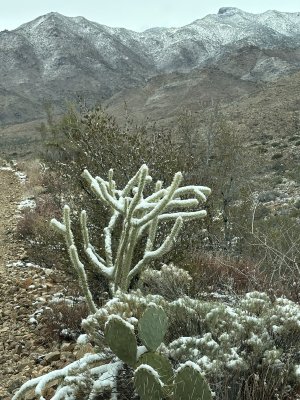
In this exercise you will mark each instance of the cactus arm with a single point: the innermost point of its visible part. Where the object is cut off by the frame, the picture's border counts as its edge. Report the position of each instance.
(151, 234)
(112, 201)
(199, 191)
(44, 381)
(182, 203)
(108, 240)
(94, 185)
(139, 193)
(67, 221)
(58, 226)
(96, 261)
(178, 203)
(108, 248)
(79, 268)
(98, 265)
(160, 206)
(167, 245)
(186, 216)
(111, 183)
(163, 249)
(134, 181)
(157, 195)
(84, 230)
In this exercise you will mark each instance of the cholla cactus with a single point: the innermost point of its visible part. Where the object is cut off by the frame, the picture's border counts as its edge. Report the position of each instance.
(140, 215)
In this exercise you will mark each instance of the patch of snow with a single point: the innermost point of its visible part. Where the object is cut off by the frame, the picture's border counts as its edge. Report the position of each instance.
(26, 203)
(6, 169)
(21, 176)
(82, 339)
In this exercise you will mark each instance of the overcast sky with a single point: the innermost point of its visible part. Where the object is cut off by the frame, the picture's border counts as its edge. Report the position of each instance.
(137, 15)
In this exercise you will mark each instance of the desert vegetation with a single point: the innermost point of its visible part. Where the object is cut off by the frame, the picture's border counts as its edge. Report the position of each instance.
(216, 289)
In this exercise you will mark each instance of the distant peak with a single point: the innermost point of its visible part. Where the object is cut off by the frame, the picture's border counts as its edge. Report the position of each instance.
(228, 10)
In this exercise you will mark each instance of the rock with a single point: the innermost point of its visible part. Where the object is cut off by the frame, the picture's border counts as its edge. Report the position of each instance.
(67, 346)
(50, 357)
(18, 349)
(85, 349)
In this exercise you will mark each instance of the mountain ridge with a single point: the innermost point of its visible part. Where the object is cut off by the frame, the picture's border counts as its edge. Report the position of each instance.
(55, 58)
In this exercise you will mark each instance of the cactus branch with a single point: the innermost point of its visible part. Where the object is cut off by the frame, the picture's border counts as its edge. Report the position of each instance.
(139, 215)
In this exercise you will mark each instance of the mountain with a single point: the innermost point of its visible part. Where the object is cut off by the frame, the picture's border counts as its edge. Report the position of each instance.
(56, 58)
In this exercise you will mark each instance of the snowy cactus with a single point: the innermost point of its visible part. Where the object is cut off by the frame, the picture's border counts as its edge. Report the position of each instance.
(140, 215)
(120, 337)
(189, 384)
(162, 365)
(154, 378)
(147, 383)
(153, 327)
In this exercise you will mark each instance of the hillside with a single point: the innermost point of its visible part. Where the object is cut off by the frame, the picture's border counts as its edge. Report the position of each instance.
(54, 58)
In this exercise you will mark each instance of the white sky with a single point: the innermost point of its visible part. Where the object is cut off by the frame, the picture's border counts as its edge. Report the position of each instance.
(137, 15)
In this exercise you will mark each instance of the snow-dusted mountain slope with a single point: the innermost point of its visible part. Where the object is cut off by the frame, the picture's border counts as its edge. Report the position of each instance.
(54, 57)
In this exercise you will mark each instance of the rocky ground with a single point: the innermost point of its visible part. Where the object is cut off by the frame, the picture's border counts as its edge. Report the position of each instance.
(24, 288)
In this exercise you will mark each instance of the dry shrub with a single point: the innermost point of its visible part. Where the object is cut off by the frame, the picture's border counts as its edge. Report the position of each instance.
(62, 320)
(42, 242)
(219, 273)
(233, 276)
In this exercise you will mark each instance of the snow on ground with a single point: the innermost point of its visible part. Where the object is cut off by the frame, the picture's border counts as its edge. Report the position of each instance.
(26, 203)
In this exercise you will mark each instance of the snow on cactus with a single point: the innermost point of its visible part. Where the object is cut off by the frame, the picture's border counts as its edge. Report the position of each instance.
(140, 215)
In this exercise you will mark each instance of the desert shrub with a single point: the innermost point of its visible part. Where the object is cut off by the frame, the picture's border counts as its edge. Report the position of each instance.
(261, 212)
(294, 213)
(276, 156)
(297, 203)
(92, 139)
(278, 167)
(43, 248)
(61, 320)
(267, 196)
(221, 275)
(256, 335)
(169, 281)
(275, 243)
(275, 144)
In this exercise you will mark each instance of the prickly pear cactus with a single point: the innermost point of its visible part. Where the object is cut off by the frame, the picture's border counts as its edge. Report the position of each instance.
(189, 384)
(161, 364)
(147, 383)
(120, 337)
(152, 326)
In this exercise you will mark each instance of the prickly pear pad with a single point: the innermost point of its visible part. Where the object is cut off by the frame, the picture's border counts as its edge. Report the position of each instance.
(120, 337)
(152, 326)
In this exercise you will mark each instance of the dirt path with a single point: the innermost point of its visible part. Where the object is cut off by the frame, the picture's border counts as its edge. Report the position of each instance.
(11, 192)
(24, 288)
